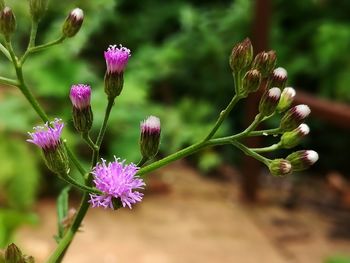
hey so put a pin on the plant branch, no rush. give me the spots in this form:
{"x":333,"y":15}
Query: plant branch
{"x":5,"y":52}
{"x":10,"y":82}
{"x":87,"y":139}
{"x":270,"y":148}
{"x":35,"y":49}
{"x":251,"y":153}
{"x":74,"y":159}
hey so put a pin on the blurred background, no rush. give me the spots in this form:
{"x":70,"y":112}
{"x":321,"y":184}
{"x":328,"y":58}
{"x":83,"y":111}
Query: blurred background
{"x":216,"y":205}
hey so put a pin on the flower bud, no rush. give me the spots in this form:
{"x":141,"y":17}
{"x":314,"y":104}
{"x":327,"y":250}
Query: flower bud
{"x":293,"y":138}
{"x":294,"y":117}
{"x":116,"y":61}
{"x":269,"y":101}
{"x":278,"y":78}
{"x":13,"y":254}
{"x":73,"y":23}
{"x":48,"y":138}
{"x":251,"y":82}
{"x":265,"y":62}
{"x":302,"y":160}
{"x":280,"y":167}
{"x":286,"y":100}
{"x":150,"y":137}
{"x":80,"y":95}
{"x":241,"y":56}
{"x":7,"y":22}
{"x":38,"y":8}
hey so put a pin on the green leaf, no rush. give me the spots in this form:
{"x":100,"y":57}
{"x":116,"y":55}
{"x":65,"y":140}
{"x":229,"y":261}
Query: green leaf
{"x":62,"y":210}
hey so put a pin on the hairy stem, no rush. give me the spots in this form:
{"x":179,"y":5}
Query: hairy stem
{"x":270,"y":148}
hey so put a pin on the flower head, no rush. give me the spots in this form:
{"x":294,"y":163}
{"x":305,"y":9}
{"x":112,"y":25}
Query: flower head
{"x":47,"y":137}
{"x":294,"y":117}
{"x":302,"y":160}
{"x":269,"y":101}
{"x":80,"y":95}
{"x":116,"y":58}
{"x":278,"y":78}
{"x":117,"y":181}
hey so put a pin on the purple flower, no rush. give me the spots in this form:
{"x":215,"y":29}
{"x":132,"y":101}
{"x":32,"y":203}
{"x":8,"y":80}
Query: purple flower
{"x":116,"y":180}
{"x":48,"y":136}
{"x":116,"y":58}
{"x":80,"y":95}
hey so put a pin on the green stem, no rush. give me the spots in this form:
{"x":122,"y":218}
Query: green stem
{"x":222,"y":117}
{"x":41,"y":47}
{"x":74,"y":160}
{"x":87,"y":139}
{"x":7,"y":81}
{"x":81,"y":187}
{"x":271,"y":148}
{"x":102,"y":132}
{"x":5,"y":52}
{"x":62,"y":246}
{"x":274,"y":131}
{"x":251,"y":153}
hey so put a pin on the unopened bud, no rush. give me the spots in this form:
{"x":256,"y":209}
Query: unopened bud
{"x":294,"y":117}
{"x":241,"y":56}
{"x":251,"y":82}
{"x":13,"y":254}
{"x":293,"y":138}
{"x":278,"y":78}
{"x":38,"y":8}
{"x":150,"y":137}
{"x":73,"y":23}
{"x":7,"y":22}
{"x":286,"y":100}
{"x":80,"y":95}
{"x":269,"y":101}
{"x":302,"y":160}
{"x":265,"y":62}
{"x":280,"y":167}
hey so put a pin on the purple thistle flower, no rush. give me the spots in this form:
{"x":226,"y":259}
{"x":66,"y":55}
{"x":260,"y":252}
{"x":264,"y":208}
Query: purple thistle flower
{"x":80,"y":95}
{"x":151,"y":125}
{"x":47,"y":137}
{"x":116,"y":58}
{"x":116,"y":180}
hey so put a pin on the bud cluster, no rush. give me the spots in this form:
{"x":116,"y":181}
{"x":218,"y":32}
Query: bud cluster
{"x":277,"y":98}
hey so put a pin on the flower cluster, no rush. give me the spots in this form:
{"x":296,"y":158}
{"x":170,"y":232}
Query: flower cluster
{"x":47,"y":137}
{"x":80,"y":95}
{"x":116,"y":58}
{"x":117,"y":181}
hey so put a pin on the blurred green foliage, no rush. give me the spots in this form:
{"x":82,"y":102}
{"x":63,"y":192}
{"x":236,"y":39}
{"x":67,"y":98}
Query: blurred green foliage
{"x":178,"y":71}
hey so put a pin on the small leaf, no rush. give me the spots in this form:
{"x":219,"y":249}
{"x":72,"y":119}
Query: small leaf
{"x":62,"y":211}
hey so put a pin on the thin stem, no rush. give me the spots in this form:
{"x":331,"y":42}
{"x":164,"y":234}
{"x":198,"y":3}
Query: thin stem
{"x":274,"y":131}
{"x":222,"y":117}
{"x":142,"y":161}
{"x":87,"y":139}
{"x":7,"y":81}
{"x":102,"y":132}
{"x":81,"y":187}
{"x":251,"y":153}
{"x":33,"y":32}
{"x":270,"y":148}
{"x":74,"y":160}
{"x":41,"y":47}
{"x":5,"y":52}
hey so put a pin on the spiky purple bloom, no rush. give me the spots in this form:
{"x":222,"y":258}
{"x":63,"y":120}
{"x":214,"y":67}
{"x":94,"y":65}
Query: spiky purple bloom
{"x":116,"y":58}
{"x":80,"y":95}
{"x":117,"y":181}
{"x":47,"y":137}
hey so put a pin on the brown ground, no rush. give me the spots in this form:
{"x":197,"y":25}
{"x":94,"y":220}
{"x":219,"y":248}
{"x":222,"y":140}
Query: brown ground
{"x":197,"y":220}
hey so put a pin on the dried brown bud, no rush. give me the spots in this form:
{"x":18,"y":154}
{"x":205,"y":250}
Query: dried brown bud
{"x":241,"y":56}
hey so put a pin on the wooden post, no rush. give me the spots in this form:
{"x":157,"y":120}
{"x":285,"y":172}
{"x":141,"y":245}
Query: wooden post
{"x":251,"y":168}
